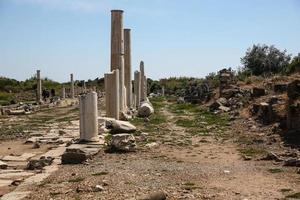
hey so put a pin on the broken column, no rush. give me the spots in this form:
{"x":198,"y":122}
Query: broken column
{"x":293,"y":106}
{"x":63,"y":92}
{"x":127,"y":67}
{"x":163,"y":91}
{"x":72,"y":86}
{"x":143,"y":87}
{"x":39,"y":86}
{"x":88,"y":111}
{"x":117,"y":52}
{"x":137,"y":88}
{"x":112,"y":102}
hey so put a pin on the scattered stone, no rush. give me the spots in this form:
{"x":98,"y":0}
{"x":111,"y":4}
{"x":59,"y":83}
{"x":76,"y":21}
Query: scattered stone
{"x":17,"y":182}
{"x":247,"y":158}
{"x":298,"y":171}
{"x":79,"y":153}
{"x":154,"y":196}
{"x":36,"y":145}
{"x":180,"y":100}
{"x":258,"y":92}
{"x":122,"y":142}
{"x":292,"y":162}
{"x":39,"y":164}
{"x":3,"y":165}
{"x":272,"y":156}
{"x":118,"y":126}
{"x":151,"y":145}
{"x":98,"y":188}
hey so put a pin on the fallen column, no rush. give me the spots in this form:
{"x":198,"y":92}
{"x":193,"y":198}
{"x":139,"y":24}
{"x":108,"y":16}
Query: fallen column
{"x":145,"y":109}
{"x":88,"y":111}
{"x":111,"y":82}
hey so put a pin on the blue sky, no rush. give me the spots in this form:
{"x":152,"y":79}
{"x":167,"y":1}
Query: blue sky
{"x":172,"y":37}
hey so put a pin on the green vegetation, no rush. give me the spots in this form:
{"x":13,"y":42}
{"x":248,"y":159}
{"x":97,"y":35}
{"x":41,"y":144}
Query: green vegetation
{"x":275,"y":170}
{"x":198,"y":121}
{"x":252,"y":150}
{"x":155,"y":120}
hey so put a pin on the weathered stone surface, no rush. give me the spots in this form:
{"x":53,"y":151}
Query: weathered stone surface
{"x":23,"y":157}
{"x":145,"y":110}
{"x":122,"y":142}
{"x":292,"y":162}
{"x":118,"y":126}
{"x":180,"y":100}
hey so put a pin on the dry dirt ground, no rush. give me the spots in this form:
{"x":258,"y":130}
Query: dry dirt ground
{"x":187,"y":153}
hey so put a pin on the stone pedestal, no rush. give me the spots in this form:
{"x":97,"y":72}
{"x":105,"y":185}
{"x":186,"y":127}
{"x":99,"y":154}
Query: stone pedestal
{"x":117,"y":52}
{"x":72,"y":86}
{"x":137,"y":88}
{"x":39,"y":86}
{"x":111,"y":81}
{"x":127,"y":58}
{"x":88,"y":110}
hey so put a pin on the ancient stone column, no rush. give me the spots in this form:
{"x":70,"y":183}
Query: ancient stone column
{"x":143,"y":86}
{"x":117,"y":52}
{"x":88,"y":111}
{"x":72,"y":86}
{"x":137,"y":88}
{"x":63,"y":92}
{"x":112,"y":103}
{"x":146,"y":87}
{"x":127,"y":58}
{"x":163,"y":91}
{"x":84,"y":86}
{"x":39,"y":86}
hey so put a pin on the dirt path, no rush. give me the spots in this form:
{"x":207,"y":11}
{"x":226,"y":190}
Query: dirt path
{"x":176,"y":160}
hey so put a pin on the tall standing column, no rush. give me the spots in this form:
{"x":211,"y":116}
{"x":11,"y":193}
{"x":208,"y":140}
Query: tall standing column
{"x":39,"y":86}
{"x":143,"y":87}
{"x":127,"y":50}
{"x":112,"y":103}
{"x":117,"y":52}
{"x":88,"y":111}
{"x":72,"y":86}
{"x":137,"y":88}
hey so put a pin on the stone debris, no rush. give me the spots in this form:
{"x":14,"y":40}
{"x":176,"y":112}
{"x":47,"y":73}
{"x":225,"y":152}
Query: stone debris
{"x":292,"y":162}
{"x":3,"y":165}
{"x":118,"y":126}
{"x":39,"y":163}
{"x":79,"y":153}
{"x":122,"y":142}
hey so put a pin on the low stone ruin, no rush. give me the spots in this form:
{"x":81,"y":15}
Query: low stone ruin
{"x":197,"y":93}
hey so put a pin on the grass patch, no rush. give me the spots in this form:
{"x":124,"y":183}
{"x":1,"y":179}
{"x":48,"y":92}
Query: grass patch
{"x":75,"y":180}
{"x":294,"y":196}
{"x":252,"y":151}
{"x":100,"y":174}
{"x":275,"y":170}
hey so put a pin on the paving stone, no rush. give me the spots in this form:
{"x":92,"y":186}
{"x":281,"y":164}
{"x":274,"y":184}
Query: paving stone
{"x":23,"y":157}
